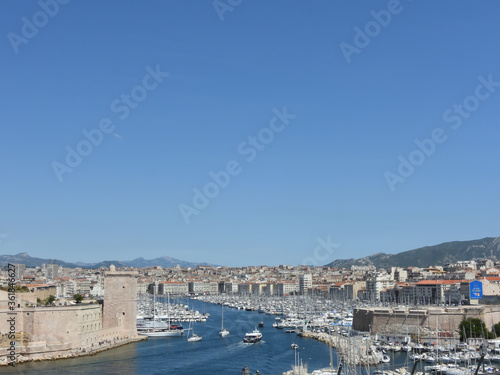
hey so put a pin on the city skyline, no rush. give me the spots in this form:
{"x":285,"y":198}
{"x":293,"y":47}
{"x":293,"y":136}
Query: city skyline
{"x":239,"y":133}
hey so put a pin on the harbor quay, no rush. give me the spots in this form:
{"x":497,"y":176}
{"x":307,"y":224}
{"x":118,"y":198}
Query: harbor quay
{"x":354,"y":350}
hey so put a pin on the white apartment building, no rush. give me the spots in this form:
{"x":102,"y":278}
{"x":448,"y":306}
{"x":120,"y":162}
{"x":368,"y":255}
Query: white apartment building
{"x":376,"y":283}
{"x":305,"y":283}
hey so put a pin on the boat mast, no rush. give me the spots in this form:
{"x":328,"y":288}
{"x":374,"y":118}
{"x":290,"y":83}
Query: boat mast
{"x":331,"y":352}
{"x":168,"y":309}
{"x":437,"y":339}
{"x":154,"y":305}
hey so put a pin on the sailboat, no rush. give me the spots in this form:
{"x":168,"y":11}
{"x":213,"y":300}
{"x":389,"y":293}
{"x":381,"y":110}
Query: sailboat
{"x":194,"y":337}
{"x":223,"y":332}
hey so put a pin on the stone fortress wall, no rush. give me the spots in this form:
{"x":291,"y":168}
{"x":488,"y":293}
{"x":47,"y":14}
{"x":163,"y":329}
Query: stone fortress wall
{"x":72,"y":330}
{"x":422,"y":321}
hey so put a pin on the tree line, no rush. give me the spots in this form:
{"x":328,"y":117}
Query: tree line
{"x":476,"y":328}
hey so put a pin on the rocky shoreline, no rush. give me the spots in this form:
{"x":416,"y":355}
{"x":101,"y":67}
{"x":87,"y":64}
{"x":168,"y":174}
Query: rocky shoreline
{"x":323,"y":337}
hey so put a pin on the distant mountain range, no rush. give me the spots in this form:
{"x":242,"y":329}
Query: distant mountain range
{"x":30,"y":261}
{"x":437,"y":255}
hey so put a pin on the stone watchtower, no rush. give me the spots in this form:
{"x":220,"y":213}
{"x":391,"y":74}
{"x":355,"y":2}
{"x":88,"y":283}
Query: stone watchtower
{"x":120,"y":301}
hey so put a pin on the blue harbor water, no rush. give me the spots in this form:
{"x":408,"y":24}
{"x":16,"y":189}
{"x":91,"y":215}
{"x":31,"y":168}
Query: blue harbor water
{"x":212,"y":355}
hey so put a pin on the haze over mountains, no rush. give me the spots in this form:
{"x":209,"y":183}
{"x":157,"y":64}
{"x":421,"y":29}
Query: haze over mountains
{"x":437,"y":255}
{"x":30,"y":261}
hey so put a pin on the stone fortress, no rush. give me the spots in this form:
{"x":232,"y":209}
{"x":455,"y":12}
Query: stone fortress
{"x":423,"y":321}
{"x":71,"y":330}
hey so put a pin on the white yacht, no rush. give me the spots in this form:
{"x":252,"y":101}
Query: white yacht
{"x":156,"y":327}
{"x":253,"y":337}
{"x":161,"y":332}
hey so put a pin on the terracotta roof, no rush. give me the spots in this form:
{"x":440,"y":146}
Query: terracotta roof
{"x":438,"y":282}
{"x":36,"y":285}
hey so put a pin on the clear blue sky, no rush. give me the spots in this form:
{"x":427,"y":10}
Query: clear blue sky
{"x":324,"y":174}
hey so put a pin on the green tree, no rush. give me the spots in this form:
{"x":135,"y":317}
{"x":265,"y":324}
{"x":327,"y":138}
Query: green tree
{"x":78,"y":298}
{"x":49,"y":300}
{"x":473,"y":328}
{"x":496,"y":329}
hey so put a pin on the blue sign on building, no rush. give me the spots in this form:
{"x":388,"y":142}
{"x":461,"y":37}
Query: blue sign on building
{"x":476,"y":289}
